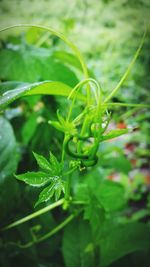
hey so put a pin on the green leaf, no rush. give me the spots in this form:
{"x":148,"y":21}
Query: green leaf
{"x":9,"y":155}
{"x":47,"y":87}
{"x":56,"y":125}
{"x":55,"y":188}
{"x":111,"y":195}
{"x":64,"y":125}
{"x":95,"y":214}
{"x":77,"y":245}
{"x":35,"y":178}
{"x":55,"y":165}
{"x":123,"y":240}
{"x":68,"y":58}
{"x":81,"y":192}
{"x":42,"y":162}
{"x":46,"y":194}
{"x":59,"y":187}
{"x":29,"y":63}
{"x":119,"y":163}
{"x":114,"y":134}
{"x":29,"y":128}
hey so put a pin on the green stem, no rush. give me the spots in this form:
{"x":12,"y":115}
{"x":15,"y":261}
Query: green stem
{"x":128,"y":105}
{"x":68,"y":188}
{"x":49,"y":234}
{"x":70,"y":171}
{"x":34,"y":214}
{"x":63,"y":148}
{"x":127,"y":71}
{"x":58,"y":228}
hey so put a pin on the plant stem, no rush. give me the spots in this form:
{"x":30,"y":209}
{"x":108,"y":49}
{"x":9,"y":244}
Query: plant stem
{"x":58,"y":34}
{"x":127,"y":71}
{"x":56,"y":229}
{"x":127,"y":105}
{"x":68,"y":187}
{"x":49,"y":234}
{"x":34,"y":214}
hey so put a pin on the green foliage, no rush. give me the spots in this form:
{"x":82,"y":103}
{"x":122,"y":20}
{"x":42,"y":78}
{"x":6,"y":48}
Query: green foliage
{"x":47,"y":87}
{"x":114,"y":134}
{"x":30,"y":64}
{"x":55,"y":188}
{"x":123,"y":240}
{"x":96,"y":224}
{"x":43,"y":162}
{"x":111,"y":195}
{"x":9,"y":157}
{"x":35,"y":178}
{"x":77,"y":246}
{"x":51,"y":174}
{"x":8,"y":149}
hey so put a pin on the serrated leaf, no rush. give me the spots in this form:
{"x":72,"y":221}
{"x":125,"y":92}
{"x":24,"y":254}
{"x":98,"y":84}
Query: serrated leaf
{"x":59,"y":187}
{"x":114,"y":134}
{"x":55,"y":188}
{"x":36,"y":179}
{"x":122,"y":240}
{"x":46,"y":194}
{"x":42,"y":162}
{"x":55,"y":165}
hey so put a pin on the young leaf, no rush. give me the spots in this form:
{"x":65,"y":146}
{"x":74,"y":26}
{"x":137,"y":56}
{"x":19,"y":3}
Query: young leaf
{"x":56,"y":125}
{"x":55,"y":165}
{"x":65,"y":127}
{"x":35,"y":178}
{"x":46,"y":194}
{"x":42,"y":162}
{"x":59,"y":187}
{"x":114,"y":133}
{"x":55,"y":188}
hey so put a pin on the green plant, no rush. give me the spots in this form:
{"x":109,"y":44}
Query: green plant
{"x":90,"y":202}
